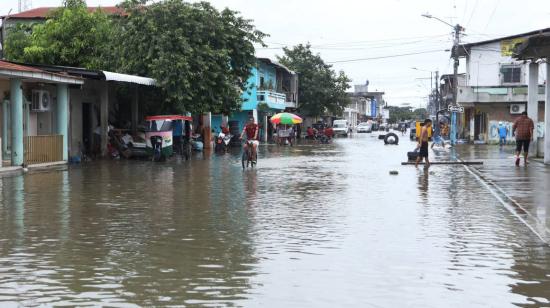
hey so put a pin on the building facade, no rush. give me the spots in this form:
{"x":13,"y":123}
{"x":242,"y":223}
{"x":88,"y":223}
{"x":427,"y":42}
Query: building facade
{"x":494,"y":88}
{"x":365,"y":105}
{"x":272,"y":88}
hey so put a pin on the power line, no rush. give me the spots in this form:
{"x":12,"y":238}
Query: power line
{"x":385,"y":46}
{"x":367,"y":42}
{"x":386,"y":57}
{"x":492,"y":14}
{"x":473,"y":12}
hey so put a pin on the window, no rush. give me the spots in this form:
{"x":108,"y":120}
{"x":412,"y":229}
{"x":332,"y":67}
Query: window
{"x":511,"y":73}
{"x":261,"y":82}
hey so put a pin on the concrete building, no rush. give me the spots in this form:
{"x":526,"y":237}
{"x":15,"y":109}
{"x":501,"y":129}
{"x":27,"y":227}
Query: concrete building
{"x":94,"y":105}
{"x":495,"y":88}
{"x":365,"y":105}
{"x":272,"y":88}
{"x":534,"y":49}
{"x":35,"y":114}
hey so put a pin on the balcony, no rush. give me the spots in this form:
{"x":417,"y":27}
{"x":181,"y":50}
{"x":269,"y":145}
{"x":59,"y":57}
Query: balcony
{"x":275,"y":100}
{"x":470,"y":95}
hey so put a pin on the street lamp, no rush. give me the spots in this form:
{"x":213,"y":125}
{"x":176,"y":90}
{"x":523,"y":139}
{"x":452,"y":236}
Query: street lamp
{"x":456,"y":42}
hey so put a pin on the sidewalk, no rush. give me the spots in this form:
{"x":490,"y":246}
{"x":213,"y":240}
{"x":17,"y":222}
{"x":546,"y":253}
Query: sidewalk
{"x":527,"y":187}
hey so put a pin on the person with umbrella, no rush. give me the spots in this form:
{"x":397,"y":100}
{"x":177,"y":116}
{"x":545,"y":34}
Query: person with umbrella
{"x":285,"y":118}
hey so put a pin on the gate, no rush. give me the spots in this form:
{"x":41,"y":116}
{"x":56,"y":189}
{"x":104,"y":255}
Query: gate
{"x":43,"y":149}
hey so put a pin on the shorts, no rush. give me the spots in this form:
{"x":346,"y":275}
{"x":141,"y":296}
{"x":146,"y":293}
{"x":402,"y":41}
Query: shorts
{"x":524,"y":143}
{"x":423,"y":152}
{"x":255,"y":142}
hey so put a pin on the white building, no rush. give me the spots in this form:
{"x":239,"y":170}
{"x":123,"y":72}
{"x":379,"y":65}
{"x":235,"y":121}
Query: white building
{"x":365,"y":105}
{"x":495,"y":87}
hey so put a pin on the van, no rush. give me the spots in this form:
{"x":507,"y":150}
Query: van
{"x":340,"y":128}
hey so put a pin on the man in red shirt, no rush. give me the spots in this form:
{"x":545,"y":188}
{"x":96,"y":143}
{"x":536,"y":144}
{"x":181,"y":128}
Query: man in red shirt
{"x":251,"y":131}
{"x":523,"y":130}
{"x":329,"y":132}
{"x":310,"y":133}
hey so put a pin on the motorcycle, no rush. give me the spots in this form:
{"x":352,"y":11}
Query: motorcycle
{"x":196,"y":143}
{"x":222,"y":142}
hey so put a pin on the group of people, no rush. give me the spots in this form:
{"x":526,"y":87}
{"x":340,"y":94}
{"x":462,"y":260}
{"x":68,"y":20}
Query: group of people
{"x":522,"y":129}
{"x":313,"y":133}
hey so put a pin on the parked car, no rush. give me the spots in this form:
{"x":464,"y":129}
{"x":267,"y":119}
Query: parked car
{"x":364,"y":128}
{"x":340,"y":128}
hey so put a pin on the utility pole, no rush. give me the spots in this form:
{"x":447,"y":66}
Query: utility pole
{"x":456,"y":44}
{"x":436,"y":91}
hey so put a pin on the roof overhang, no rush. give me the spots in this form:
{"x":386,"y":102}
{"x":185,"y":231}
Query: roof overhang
{"x":95,"y":74}
{"x":534,"y":48}
{"x":40,"y":76}
{"x":277,"y":64}
{"x":110,"y":76}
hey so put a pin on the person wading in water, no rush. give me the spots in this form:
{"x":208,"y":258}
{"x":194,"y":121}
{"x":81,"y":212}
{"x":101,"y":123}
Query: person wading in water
{"x":423,"y":143}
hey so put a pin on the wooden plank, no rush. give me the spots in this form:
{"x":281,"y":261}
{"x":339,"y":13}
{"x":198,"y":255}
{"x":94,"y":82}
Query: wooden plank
{"x":445,"y":163}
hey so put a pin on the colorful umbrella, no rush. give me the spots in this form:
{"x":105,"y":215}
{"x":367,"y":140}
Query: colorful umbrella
{"x":286,"y":118}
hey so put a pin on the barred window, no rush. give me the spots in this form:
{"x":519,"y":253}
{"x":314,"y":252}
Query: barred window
{"x":511,"y":74}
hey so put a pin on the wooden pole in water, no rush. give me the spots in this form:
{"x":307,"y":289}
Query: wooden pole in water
{"x":407,"y":163}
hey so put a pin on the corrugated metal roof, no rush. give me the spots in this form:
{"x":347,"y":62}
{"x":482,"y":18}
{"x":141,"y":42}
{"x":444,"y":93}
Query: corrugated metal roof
{"x":42,"y":12}
{"x":110,"y":76}
{"x":275,"y":63}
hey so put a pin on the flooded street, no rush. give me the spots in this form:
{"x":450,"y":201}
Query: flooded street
{"x":312,"y":226}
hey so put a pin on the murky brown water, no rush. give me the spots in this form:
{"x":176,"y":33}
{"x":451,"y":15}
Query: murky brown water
{"x":313,"y":226}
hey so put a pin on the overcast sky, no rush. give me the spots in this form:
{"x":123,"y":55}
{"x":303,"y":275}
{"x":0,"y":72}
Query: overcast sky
{"x":358,"y":29}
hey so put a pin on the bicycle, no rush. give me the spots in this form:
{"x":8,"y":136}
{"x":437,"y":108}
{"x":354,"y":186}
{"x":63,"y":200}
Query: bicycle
{"x":249,"y":156}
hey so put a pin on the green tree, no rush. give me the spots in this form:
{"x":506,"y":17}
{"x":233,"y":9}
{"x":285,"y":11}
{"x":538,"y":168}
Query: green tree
{"x":420,"y":114}
{"x":71,"y":36}
{"x":321,"y":89}
{"x":18,"y":38}
{"x":200,"y":57}
{"x":398,"y":114}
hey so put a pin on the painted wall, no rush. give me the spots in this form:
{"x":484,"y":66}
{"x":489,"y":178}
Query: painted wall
{"x":483,"y":66}
{"x":241,"y":117}
{"x":269,"y":74}
{"x":250,"y":96}
{"x":216,"y":122}
{"x":493,"y":136}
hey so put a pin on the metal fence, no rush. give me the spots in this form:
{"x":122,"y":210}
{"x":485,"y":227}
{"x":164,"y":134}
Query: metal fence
{"x":43,"y":149}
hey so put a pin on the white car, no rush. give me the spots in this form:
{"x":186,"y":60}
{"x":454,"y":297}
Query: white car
{"x":364,"y":128}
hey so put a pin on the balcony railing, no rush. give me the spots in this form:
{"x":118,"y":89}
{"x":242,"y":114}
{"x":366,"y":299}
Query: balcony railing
{"x":266,"y":96}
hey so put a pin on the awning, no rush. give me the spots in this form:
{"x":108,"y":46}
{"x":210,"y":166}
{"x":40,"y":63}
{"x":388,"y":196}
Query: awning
{"x":110,"y":76}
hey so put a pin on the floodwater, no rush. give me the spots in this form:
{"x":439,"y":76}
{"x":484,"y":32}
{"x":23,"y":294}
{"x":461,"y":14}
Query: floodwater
{"x":312,"y":226}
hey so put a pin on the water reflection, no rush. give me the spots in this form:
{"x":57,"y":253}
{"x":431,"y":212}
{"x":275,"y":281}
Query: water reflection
{"x":311,"y":226}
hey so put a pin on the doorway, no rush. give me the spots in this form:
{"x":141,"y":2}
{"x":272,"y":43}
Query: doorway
{"x":87,"y":128}
{"x":480,"y":126}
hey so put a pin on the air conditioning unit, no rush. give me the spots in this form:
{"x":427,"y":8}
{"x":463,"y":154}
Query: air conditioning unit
{"x":517,"y":108}
{"x":41,"y":101}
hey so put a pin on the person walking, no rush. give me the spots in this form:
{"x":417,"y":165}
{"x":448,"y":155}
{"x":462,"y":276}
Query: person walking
{"x":423,"y":143}
{"x":523,"y":130}
{"x":502,"y":133}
